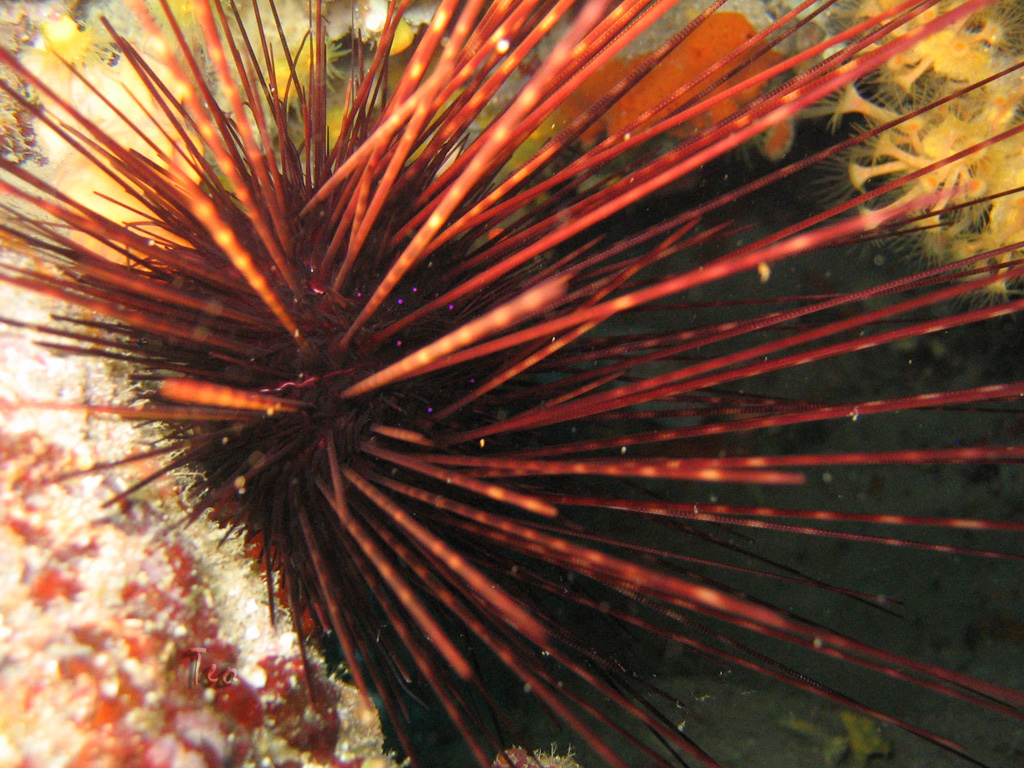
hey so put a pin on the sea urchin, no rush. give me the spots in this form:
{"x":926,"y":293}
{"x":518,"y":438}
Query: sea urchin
{"x":426,"y":362}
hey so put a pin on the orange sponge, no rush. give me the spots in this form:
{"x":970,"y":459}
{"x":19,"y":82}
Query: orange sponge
{"x":718,"y":36}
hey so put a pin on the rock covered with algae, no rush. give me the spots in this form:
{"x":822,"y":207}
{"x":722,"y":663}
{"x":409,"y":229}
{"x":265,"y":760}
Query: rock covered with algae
{"x":103,"y":607}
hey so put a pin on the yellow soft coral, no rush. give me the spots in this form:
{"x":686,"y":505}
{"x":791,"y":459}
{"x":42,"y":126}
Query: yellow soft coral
{"x":83,"y":82}
{"x":945,"y":144}
{"x":966,"y":51}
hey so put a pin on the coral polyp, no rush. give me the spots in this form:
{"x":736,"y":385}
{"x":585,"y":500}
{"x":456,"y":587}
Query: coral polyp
{"x":459,"y":384}
{"x":976,"y":196}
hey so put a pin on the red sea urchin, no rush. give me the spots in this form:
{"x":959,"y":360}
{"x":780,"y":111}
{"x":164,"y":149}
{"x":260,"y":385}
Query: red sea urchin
{"x":444,"y":392}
